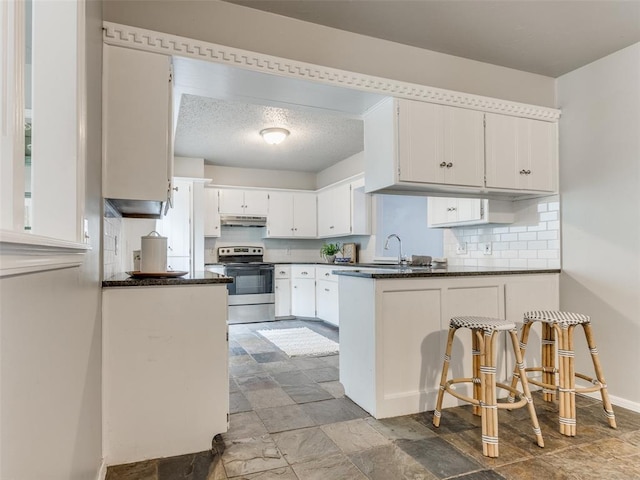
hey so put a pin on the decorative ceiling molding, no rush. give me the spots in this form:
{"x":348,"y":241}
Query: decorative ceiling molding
{"x":148,"y":40}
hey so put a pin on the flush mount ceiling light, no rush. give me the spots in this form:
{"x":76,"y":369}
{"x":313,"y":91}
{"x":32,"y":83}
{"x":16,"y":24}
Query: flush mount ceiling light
{"x":274,"y":136}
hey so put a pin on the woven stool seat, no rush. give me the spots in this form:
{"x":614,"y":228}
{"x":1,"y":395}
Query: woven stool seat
{"x":482,"y":323}
{"x":557,"y":339}
{"x":561,"y":318}
{"x":485,"y":332}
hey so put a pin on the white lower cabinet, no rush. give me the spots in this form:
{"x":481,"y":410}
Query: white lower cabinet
{"x":155,"y":362}
{"x":327,"y":295}
{"x":303,"y":291}
{"x":282,"y":276}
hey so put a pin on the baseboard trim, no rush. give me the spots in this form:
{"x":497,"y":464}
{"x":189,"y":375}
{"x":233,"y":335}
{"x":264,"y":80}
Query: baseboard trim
{"x":102,"y":473}
{"x":616,"y":401}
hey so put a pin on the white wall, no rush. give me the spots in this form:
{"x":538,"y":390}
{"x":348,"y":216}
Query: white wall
{"x":250,"y":29}
{"x":600,"y":189}
{"x":346,"y":168}
{"x":253,"y":177}
{"x":50,"y":347}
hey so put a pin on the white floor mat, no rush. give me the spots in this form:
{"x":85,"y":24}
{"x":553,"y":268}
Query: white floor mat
{"x":300,"y":341}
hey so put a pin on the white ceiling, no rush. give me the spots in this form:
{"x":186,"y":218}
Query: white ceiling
{"x":547,"y":37}
{"x":223,"y":108}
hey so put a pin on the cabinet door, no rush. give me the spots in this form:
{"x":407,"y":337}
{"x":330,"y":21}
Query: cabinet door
{"x":255,"y":202}
{"x":231,"y":202}
{"x":341,"y":196}
{"x":438,"y":210}
{"x":303,"y":297}
{"x":326,"y":226}
{"x":304,"y":215}
{"x":280,"y":215}
{"x":211,"y":215}
{"x":327,"y":301}
{"x":521,"y":153}
{"x":136,"y":124}
{"x":176,"y":224}
{"x":468,"y":209}
{"x":440,"y":144}
{"x":283,"y":297}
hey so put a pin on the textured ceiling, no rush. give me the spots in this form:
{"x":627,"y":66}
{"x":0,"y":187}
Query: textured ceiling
{"x":227,"y":133}
{"x":547,"y":37}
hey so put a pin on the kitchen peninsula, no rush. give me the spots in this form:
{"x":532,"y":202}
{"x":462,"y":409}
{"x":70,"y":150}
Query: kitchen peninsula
{"x":165,"y":375}
{"x":395,"y":323}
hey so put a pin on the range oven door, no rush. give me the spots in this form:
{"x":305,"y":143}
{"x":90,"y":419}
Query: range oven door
{"x":251,"y":295}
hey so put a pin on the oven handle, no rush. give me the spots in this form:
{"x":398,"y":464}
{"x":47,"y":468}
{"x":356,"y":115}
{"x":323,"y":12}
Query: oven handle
{"x":250,"y":267}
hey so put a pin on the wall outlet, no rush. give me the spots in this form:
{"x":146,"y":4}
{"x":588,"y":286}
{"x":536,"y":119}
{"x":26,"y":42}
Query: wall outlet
{"x":486,"y":248}
{"x":461,"y":249}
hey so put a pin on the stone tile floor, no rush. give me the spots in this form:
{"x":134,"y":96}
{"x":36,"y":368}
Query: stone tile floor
{"x":290,"y":420}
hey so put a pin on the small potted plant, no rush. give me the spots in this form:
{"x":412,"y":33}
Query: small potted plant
{"x":329,"y":251}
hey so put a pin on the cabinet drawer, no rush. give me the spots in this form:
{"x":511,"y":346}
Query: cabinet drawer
{"x":325,"y":273}
{"x":303,"y":271}
{"x":282,"y":271}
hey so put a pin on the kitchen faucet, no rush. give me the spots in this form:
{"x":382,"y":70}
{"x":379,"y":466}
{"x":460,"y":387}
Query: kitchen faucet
{"x":401,"y":260}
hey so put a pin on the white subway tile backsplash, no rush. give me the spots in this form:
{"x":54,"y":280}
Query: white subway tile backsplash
{"x":548,"y":235}
{"x":527,"y":236}
{"x":509,"y":237}
{"x":548,"y":216}
{"x":531,"y":241}
{"x":537,"y":263}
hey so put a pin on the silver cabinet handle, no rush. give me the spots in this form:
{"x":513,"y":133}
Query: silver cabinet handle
{"x":304,"y":273}
{"x":443,"y":164}
{"x":451,"y":209}
{"x":449,"y":165}
{"x":331,"y":226}
{"x":525,"y":172}
{"x":282,"y":272}
{"x":327,"y":274}
{"x":528,"y":172}
{"x":327,"y":290}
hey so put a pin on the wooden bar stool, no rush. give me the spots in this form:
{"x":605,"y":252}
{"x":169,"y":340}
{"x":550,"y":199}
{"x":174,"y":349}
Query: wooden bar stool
{"x":557,"y":334}
{"x":484,"y":335}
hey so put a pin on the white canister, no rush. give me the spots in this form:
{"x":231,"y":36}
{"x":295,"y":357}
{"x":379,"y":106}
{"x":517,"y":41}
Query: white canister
{"x":153,"y":253}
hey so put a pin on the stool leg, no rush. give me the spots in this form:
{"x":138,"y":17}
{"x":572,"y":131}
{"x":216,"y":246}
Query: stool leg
{"x":608,"y":409}
{"x":548,"y":361}
{"x":525,"y":388}
{"x":443,"y":377}
{"x":489,"y":406}
{"x":477,"y":385}
{"x":524,"y":338}
{"x":566,"y":388}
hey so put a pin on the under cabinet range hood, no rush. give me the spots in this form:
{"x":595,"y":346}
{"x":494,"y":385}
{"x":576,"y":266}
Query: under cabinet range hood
{"x":242,"y":221}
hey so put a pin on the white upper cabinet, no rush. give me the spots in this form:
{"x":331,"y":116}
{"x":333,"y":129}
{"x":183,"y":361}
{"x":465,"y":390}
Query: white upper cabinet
{"x":211,"y":214}
{"x":344,"y":209}
{"x":243,"y":202}
{"x":521,"y":153}
{"x":450,"y":212}
{"x":419,"y":146}
{"x":137,"y":140}
{"x":291,"y":214}
{"x":440,"y":144}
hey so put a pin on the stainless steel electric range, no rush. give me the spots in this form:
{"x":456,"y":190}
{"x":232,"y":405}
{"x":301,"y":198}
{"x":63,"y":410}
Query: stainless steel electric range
{"x":251,"y":295}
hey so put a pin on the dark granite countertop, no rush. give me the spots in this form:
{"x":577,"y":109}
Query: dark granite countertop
{"x":410,"y":272}
{"x":195,"y":278}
